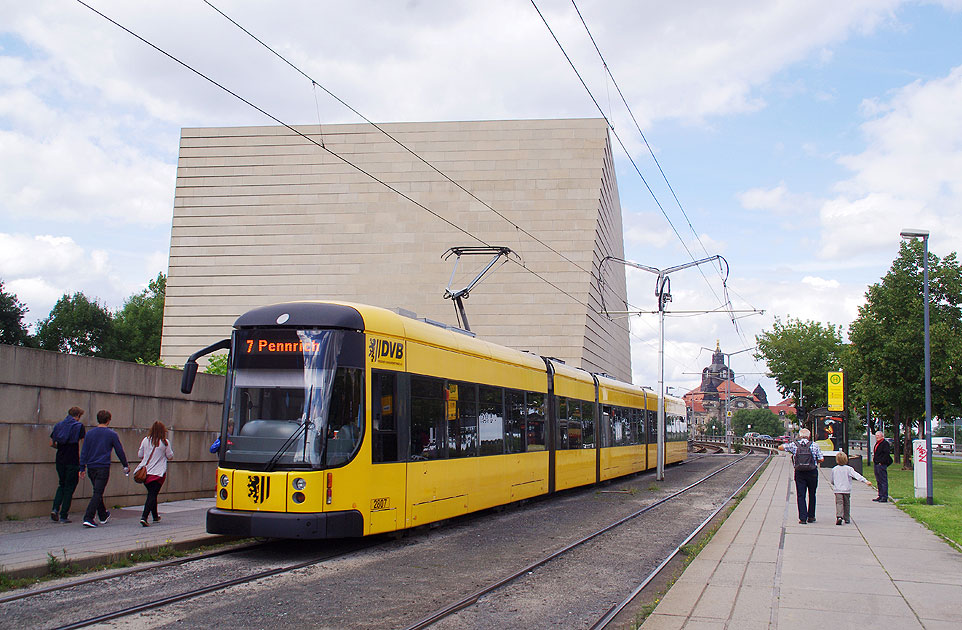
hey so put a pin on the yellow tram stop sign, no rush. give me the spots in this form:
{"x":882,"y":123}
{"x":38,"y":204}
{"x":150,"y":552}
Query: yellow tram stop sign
{"x":836,"y":391}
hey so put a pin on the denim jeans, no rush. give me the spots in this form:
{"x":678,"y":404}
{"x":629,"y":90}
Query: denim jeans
{"x":806,"y":481}
{"x":68,"y":475}
{"x":98,"y":479}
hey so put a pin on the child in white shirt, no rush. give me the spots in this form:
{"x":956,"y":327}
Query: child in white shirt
{"x":842,"y":475}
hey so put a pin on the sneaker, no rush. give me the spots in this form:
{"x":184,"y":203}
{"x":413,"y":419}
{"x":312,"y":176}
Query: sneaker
{"x":89,"y":524}
{"x":54,"y":516}
{"x":157,"y":518}
{"x":802,"y":522}
{"x":838,"y":521}
{"x":104,"y":520}
{"x":847,"y":521}
{"x":878,"y":499}
{"x":811,"y":519}
{"x":64,"y":519}
{"x":144,"y":523}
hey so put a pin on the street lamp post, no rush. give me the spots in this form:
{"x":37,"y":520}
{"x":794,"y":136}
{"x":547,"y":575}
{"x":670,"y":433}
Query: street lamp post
{"x":924,"y":235}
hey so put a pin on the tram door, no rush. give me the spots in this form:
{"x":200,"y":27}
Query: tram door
{"x":388,"y":471}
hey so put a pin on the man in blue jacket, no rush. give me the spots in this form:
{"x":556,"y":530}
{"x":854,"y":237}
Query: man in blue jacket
{"x":65,"y":437}
{"x":95,"y":458}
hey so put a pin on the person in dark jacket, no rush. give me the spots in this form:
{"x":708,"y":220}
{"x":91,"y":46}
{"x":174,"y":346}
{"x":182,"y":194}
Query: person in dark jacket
{"x":95,"y":458}
{"x":65,"y":437}
{"x":883,"y":459}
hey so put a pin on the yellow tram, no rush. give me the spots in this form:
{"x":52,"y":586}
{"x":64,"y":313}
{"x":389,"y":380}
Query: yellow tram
{"x":346,"y":420}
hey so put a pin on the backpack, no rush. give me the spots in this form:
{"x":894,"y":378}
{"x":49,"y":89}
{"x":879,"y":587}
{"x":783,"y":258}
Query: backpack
{"x":63,"y":432}
{"x":804,"y":460}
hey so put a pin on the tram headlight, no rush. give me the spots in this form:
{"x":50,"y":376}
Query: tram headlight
{"x":224,"y":480}
{"x":299,"y":483}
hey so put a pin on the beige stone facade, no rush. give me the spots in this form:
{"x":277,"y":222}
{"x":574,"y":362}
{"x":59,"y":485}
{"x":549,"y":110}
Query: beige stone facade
{"x":263,"y":215}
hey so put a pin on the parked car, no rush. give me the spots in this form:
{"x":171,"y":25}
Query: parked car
{"x":783,"y":439}
{"x":751,"y":434}
{"x":765,"y":437}
{"x":943,"y":444}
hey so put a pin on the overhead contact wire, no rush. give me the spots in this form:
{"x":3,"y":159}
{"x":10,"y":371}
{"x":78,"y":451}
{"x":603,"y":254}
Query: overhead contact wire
{"x":324,"y":148}
{"x":396,"y":140}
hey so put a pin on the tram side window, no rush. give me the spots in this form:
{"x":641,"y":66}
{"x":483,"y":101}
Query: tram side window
{"x":608,"y":427}
{"x":575,"y":427}
{"x":587,"y":424}
{"x":514,"y":426}
{"x":428,"y":408}
{"x":491,"y":420}
{"x":534,"y":415}
{"x":652,"y":426}
{"x":637,"y":426}
{"x":384,"y":418}
{"x":563,"y":404}
{"x":345,"y":420}
{"x":462,"y":419}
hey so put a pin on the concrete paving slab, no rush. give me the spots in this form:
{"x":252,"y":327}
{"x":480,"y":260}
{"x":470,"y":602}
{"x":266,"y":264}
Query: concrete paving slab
{"x":25,"y":545}
{"x":941,"y":602}
{"x":820,"y":599}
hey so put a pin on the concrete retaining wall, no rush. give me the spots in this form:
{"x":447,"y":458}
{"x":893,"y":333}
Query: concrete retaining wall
{"x":38,"y":387}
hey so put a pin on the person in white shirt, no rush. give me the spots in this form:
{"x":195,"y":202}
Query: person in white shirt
{"x":154,"y":454}
{"x":842,"y":475}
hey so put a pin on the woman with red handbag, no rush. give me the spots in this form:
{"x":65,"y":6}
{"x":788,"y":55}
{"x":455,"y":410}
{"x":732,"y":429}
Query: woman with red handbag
{"x":154,"y":454}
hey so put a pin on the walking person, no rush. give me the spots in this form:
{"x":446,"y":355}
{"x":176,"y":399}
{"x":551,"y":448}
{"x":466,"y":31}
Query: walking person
{"x":95,"y":458}
{"x":805,"y":455}
{"x":883,"y":459}
{"x":65,"y":437}
{"x":842,"y":475}
{"x":154,"y":454}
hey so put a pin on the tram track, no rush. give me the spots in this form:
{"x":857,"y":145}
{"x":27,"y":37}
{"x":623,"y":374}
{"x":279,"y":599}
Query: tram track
{"x":472,"y":599}
{"x":172,"y":607}
{"x":122,"y":581}
{"x":612,"y":613}
{"x":119,"y":573}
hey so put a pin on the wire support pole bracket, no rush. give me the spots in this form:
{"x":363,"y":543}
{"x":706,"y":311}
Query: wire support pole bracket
{"x":663,"y":294}
{"x":458,"y":296}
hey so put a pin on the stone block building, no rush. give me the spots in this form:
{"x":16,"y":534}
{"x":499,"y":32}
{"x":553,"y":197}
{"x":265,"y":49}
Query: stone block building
{"x":349,"y":212}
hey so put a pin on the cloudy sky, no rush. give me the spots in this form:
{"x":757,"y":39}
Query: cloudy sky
{"x":798,"y":136}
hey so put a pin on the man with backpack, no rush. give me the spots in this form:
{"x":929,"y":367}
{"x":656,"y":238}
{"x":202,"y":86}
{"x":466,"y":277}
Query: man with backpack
{"x":65,"y":437}
{"x":805,"y":455}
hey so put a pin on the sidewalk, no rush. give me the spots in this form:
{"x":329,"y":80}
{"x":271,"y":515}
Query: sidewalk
{"x":24,"y":545}
{"x":763,"y":569}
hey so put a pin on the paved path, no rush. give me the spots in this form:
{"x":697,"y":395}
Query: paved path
{"x":24,"y":545}
{"x":763,"y":569}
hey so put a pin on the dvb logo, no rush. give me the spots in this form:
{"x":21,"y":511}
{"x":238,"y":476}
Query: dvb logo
{"x":384,"y":351}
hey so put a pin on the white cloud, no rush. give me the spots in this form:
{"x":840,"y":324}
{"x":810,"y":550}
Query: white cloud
{"x":781,"y":201}
{"x":908,"y":175}
{"x":41,"y":269}
{"x":820,"y":284}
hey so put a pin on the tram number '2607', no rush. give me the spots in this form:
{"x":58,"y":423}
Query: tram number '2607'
{"x":382,"y":503}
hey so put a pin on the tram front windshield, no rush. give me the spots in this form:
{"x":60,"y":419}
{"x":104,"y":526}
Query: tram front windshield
{"x":292,"y":403}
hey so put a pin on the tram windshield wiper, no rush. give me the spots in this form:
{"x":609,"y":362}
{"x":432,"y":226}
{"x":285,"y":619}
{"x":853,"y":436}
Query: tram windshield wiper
{"x":290,"y":440}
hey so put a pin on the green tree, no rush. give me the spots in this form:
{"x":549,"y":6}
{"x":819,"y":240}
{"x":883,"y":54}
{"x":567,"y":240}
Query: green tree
{"x":76,"y":325}
{"x":217,"y":364}
{"x":888,"y":340}
{"x":137,"y":325}
{"x":761,"y":420}
{"x":12,"y":330}
{"x":804,"y":351}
